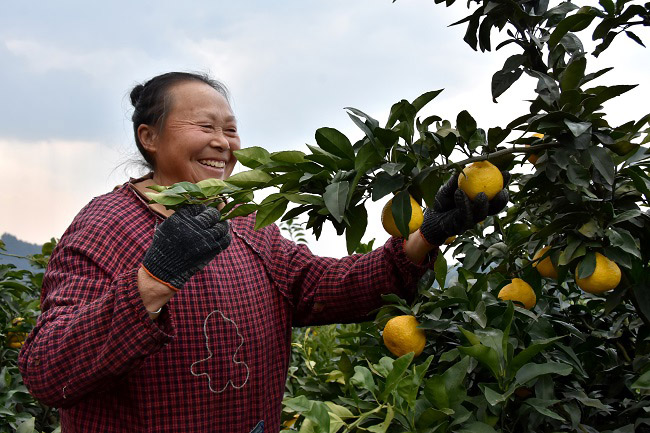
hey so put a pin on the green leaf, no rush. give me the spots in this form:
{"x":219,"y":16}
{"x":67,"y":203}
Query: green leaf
{"x":531,"y":371}
{"x":603,"y":163}
{"x":381,"y":428}
{"x":571,"y":23}
{"x":424,"y":99}
{"x":626,"y":216}
{"x":573,"y":74}
{"x":477,"y":427}
{"x":27,"y":426}
{"x":471,"y":337}
{"x":358,"y":219}
{"x":447,"y":390}
{"x":547,"y":88}
{"x":384,"y":184}
{"x":642,"y":382}
{"x":401,"y":208}
{"x":334,"y":142}
{"x":495,"y":398}
{"x":507,"y":323}
{"x":336,"y":196}
{"x":421,"y":369}
{"x":319,"y":416}
{"x":440,"y":269}
{"x":541,"y":406}
{"x":252,"y":157}
{"x":466,"y":125}
{"x":400,"y":365}
{"x":212,"y":187}
{"x":528,"y":353}
{"x":486,"y":355}
{"x":587,"y":265}
{"x":367,"y":158}
{"x":496,"y":136}
{"x":608,"y":5}
{"x":363,"y":378}
{"x":340,"y":411}
{"x":289,"y":156}
{"x":477,"y":139}
{"x":165,"y":198}
{"x":502,"y":80}
{"x":157,"y":188}
{"x":403,"y":111}
{"x":577,"y":128}
{"x":624,"y":240}
{"x":478,"y":315}
{"x":589,"y":229}
{"x":326,"y":159}
{"x":587,"y":401}
{"x":250,"y":179}
{"x":298,"y":404}
{"x":270,"y":212}
{"x":604,"y":93}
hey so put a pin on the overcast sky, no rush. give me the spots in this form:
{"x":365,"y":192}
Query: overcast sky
{"x":67,"y":68}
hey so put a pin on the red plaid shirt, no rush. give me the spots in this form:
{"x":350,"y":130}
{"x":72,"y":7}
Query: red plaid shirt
{"x":216,"y":359}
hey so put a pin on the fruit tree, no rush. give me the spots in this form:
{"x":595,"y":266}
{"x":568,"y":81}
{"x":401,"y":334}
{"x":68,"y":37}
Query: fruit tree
{"x":543,"y":323}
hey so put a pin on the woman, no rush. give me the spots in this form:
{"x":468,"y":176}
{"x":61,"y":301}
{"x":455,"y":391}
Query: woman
{"x":154,"y":321}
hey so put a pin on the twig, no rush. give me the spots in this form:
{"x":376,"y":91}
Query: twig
{"x":520,"y":149}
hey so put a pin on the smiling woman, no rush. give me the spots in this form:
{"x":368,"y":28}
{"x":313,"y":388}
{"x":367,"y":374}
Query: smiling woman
{"x":184,"y":128}
{"x":129,"y":339}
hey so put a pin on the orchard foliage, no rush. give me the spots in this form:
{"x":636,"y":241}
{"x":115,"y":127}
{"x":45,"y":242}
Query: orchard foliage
{"x":576,"y":362}
{"x":20,"y":291}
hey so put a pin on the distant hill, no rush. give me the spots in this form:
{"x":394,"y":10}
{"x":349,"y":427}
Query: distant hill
{"x":20,"y":248}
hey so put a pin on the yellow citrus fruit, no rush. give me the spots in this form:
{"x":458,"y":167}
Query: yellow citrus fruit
{"x":388,"y":221}
{"x":520,"y":291}
{"x":544,"y":267}
{"x":606,"y":276}
{"x":533,"y":157}
{"x":402,"y":336}
{"x":481,"y":176}
{"x":16,"y":340}
{"x":450,"y":239}
{"x":290,"y":422}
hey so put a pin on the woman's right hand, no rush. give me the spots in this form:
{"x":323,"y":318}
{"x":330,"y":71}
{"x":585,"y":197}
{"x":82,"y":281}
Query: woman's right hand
{"x":184,"y":243}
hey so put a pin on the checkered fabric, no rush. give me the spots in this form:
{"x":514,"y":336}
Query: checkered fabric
{"x":216,"y":359}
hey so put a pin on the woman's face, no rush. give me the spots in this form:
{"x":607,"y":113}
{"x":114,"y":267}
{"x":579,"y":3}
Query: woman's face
{"x":198,"y":136}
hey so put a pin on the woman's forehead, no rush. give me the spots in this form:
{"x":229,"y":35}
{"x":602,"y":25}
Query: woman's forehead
{"x":199,"y":98}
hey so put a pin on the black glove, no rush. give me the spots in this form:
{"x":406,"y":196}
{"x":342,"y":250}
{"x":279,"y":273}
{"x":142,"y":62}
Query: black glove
{"x":453,"y":212}
{"x":185,"y":242}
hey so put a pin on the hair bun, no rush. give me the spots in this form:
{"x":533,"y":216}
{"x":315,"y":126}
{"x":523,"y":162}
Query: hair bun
{"x":136,"y":93}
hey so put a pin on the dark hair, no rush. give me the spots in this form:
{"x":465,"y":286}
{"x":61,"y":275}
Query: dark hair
{"x":151,"y":101}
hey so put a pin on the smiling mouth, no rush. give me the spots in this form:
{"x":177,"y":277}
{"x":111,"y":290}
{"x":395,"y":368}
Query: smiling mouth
{"x":213,"y":163}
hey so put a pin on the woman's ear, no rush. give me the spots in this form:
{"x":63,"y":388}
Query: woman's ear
{"x":147,"y":137}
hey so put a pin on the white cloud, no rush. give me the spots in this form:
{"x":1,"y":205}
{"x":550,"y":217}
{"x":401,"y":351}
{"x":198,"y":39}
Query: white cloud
{"x":46,"y":183}
{"x":292,"y":67}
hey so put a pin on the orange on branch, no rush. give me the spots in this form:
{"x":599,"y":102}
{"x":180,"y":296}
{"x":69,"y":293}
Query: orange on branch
{"x":519,"y":291}
{"x":481,"y":176}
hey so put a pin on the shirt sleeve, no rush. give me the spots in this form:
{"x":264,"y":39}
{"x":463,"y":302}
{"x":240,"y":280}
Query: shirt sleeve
{"x":94,"y":327}
{"x":328,"y":290}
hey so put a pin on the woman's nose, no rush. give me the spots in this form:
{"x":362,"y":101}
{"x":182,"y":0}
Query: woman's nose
{"x":220,"y":141}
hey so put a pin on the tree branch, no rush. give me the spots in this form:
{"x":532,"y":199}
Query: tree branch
{"x":520,"y":149}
